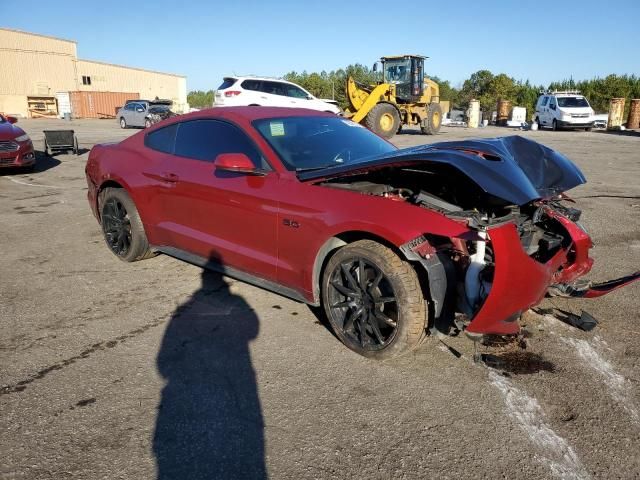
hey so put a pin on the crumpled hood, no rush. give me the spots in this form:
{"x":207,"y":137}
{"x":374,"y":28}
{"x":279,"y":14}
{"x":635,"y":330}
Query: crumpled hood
{"x":513,"y":168}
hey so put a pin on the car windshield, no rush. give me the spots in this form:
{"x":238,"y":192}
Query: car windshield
{"x":397,"y":71}
{"x":158,"y":109}
{"x":310,"y":143}
{"x":2,"y":119}
{"x":569,"y":102}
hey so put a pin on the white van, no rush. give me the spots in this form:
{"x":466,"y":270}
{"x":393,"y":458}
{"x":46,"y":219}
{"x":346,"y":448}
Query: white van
{"x":564,"y":110}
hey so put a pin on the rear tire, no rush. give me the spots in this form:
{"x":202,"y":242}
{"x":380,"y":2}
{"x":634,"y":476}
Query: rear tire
{"x":539,"y":124}
{"x":383,"y":120}
{"x":385,"y":316}
{"x":123,"y":123}
{"x":121,"y":226}
{"x":431,"y":124}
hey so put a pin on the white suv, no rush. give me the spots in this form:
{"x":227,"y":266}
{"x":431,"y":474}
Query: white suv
{"x":268,"y":92}
{"x":564,"y":110}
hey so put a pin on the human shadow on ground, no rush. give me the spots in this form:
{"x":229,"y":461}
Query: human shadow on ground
{"x":209,"y":423}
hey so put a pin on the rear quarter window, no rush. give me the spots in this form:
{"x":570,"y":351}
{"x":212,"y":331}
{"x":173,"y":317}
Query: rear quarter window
{"x":228,"y":82}
{"x":163,"y":139}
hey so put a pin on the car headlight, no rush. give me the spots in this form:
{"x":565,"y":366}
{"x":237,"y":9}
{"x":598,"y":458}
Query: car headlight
{"x":22,"y":138}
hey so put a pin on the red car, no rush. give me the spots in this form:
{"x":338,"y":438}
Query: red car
{"x":16,"y":149}
{"x":319,"y":209}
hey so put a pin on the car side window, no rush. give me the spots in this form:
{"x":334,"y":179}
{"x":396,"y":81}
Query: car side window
{"x":552,"y":102}
{"x":129,"y":106}
{"x":251,"y":85}
{"x":206,"y":139}
{"x":274,"y":88}
{"x":163,"y":139}
{"x":293,"y":91}
{"x":544,"y":102}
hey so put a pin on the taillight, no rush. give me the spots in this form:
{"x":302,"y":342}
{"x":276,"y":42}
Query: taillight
{"x":232,"y":93}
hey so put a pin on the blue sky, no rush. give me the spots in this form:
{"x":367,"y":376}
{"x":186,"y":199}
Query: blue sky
{"x":205,"y":40}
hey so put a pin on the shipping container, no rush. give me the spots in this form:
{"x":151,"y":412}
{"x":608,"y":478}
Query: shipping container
{"x":99,"y":104}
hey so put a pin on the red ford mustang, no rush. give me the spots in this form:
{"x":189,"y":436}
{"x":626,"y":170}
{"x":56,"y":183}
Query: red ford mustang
{"x":312,"y":206}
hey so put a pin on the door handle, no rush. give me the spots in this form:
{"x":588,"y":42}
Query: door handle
{"x":169,"y":177}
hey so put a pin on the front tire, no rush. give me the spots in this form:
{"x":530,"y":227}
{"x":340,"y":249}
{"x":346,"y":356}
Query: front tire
{"x":373,"y":300}
{"x":123,"y":123}
{"x":431,"y":124}
{"x":554,"y":126}
{"x":383,"y":120}
{"x":121,"y":226}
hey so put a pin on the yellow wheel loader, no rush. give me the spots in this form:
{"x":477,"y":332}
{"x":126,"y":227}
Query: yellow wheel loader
{"x":404,"y":97}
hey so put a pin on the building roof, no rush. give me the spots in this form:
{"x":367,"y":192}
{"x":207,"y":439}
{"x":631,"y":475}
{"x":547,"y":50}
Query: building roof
{"x":37,"y":35}
{"x":130,"y":68}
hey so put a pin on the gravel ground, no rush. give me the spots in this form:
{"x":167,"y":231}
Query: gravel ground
{"x":159,"y":370}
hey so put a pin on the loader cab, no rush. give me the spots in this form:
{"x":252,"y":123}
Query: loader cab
{"x":406,"y":72}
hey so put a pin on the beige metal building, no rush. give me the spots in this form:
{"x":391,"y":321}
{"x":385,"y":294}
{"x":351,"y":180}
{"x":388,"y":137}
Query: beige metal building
{"x":38,"y":74}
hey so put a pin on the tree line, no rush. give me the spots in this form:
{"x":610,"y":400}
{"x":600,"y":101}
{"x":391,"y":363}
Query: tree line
{"x":482,"y":85}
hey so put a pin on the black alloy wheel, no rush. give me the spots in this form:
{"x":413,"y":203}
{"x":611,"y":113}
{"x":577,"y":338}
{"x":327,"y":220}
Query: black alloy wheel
{"x":363,"y":301}
{"x":116,"y":226}
{"x":373,"y":300}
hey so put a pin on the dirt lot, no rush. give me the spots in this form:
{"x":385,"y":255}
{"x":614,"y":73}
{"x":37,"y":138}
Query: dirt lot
{"x":156,"y":369}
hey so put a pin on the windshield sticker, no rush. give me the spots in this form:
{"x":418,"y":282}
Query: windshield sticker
{"x":277,"y":129}
{"x":349,"y":123}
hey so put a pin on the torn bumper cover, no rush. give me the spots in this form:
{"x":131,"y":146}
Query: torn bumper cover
{"x":587,"y":289}
{"x":519,"y":282}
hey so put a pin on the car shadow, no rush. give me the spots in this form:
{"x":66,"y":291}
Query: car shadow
{"x":44,"y":162}
{"x":209,"y":422}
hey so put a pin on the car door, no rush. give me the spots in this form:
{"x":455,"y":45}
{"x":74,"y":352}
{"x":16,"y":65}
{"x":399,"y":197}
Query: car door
{"x":544,"y":111}
{"x":552,"y":110}
{"x":274,"y":94}
{"x":139,"y":114}
{"x":297,"y":97}
{"x":253,"y":89}
{"x":228,"y":218}
{"x":126,"y":113}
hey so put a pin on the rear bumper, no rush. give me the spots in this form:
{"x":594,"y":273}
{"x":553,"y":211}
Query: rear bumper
{"x":23,"y":157}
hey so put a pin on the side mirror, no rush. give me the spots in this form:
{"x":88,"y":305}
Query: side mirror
{"x":375,"y":67}
{"x":309,"y":97}
{"x":552,"y":107}
{"x":11,"y":119}
{"x":140,"y":109}
{"x":238,"y":163}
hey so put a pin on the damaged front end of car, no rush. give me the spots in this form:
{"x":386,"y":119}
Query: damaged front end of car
{"x":523,"y":239}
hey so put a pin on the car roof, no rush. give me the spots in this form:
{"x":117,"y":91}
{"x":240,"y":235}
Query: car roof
{"x":254,"y":113}
{"x":265,"y":79}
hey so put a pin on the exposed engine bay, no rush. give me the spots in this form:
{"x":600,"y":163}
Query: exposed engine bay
{"x":469,"y":263}
{"x":522,"y":240}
